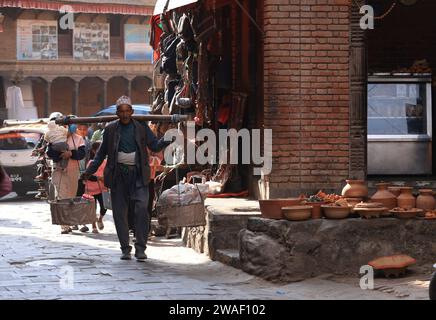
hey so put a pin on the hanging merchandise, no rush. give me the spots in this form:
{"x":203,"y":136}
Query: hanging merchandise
{"x":184,"y":28}
{"x":155,"y":34}
{"x":171,"y":90}
{"x":158,"y":77}
{"x":169,"y":64}
{"x":158,"y":104}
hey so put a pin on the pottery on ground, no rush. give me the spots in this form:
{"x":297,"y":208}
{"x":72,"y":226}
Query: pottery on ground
{"x":384,"y":196}
{"x":426,"y":200}
{"x":406,"y":199}
{"x":272,"y":208}
{"x":393,"y":265}
{"x":355,"y":189}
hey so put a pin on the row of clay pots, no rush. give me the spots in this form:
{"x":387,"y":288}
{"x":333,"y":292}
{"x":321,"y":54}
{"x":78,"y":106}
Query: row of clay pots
{"x":403,"y":197}
{"x":391,"y":196}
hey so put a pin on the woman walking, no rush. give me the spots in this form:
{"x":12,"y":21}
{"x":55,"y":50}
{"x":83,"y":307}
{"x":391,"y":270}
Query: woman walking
{"x":95,"y":187}
{"x":65,"y":180}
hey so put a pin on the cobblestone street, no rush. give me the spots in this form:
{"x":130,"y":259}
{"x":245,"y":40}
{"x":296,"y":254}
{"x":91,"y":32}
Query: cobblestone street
{"x":35,"y":259}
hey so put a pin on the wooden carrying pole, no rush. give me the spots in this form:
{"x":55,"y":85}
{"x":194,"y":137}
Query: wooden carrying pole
{"x":158,"y":118}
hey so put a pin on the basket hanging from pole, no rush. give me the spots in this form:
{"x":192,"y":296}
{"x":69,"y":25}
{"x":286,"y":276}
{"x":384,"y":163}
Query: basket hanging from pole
{"x":75,"y":211}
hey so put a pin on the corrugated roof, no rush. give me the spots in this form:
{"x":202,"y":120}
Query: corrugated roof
{"x":148,"y":3}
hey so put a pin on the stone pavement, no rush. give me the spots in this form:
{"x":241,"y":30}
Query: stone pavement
{"x":37,"y":262}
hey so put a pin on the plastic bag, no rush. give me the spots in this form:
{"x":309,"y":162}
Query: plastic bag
{"x":183,"y":194}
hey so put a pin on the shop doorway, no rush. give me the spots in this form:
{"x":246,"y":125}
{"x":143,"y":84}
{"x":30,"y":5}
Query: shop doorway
{"x":400,"y":91}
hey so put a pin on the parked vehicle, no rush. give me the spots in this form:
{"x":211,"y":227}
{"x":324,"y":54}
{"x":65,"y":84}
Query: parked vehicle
{"x":112,"y":110}
{"x":432,"y":288}
{"x":17,"y":141}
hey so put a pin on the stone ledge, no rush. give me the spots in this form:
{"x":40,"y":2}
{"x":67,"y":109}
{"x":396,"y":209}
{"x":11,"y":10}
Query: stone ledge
{"x":229,"y":257}
{"x":284,"y":251}
{"x":225,"y":219}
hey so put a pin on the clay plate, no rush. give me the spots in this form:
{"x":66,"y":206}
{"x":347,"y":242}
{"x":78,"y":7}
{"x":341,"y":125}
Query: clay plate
{"x":426,"y":218}
{"x":370,"y":212}
{"x":406,"y":214}
{"x":392,"y":262}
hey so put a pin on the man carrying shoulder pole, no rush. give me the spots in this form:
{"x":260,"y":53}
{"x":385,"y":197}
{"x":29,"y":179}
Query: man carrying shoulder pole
{"x":127,"y":174}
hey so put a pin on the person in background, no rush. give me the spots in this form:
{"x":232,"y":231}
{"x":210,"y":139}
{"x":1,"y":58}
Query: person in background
{"x":98,"y":134}
{"x":95,"y":187}
{"x":155,"y":160}
{"x":82,"y":130}
{"x":65,"y":181}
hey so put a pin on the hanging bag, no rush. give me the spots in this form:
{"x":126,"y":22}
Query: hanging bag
{"x":182,"y":215}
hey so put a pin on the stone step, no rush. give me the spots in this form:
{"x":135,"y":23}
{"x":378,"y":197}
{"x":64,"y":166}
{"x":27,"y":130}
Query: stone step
{"x":229,"y":257}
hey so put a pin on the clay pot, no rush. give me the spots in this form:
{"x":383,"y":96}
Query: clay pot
{"x":272,"y":209}
{"x":384,"y":197}
{"x":297,"y":213}
{"x":316,"y":209}
{"x":426,"y":200}
{"x":406,"y":199}
{"x":333,"y":212}
{"x":355,"y":189}
{"x":395,"y":190}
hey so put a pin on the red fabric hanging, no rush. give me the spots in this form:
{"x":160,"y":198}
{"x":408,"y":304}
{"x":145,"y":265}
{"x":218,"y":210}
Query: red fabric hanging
{"x":156,"y":32}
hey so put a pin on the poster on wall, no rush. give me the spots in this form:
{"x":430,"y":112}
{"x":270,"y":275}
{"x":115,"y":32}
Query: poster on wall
{"x":37,"y":40}
{"x":91,"y":41}
{"x":136,"y":42}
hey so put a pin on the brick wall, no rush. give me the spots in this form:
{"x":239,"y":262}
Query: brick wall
{"x":8,"y":39}
{"x":307,"y":93}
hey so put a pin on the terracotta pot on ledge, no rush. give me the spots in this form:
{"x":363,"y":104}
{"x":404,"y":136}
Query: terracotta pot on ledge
{"x":395,"y":190}
{"x":384,"y":196}
{"x":406,"y":199}
{"x":426,"y":200}
{"x":355,"y":189}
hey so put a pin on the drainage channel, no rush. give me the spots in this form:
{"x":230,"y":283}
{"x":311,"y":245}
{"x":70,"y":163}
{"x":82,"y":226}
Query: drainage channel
{"x":54,"y":262}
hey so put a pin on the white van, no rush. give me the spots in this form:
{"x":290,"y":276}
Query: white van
{"x":17,"y":141}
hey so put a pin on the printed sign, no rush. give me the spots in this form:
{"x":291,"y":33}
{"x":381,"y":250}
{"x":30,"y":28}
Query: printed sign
{"x":136,"y":42}
{"x":91,"y":41}
{"x":37,"y":40}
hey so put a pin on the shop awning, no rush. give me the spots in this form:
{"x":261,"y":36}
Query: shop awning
{"x":172,"y":4}
{"x":79,"y":7}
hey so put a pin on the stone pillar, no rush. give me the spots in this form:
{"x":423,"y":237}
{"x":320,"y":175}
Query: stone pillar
{"x":47,"y":106}
{"x":75,"y":108}
{"x":358,"y":96}
{"x":104,"y":94}
{"x":129,"y":87}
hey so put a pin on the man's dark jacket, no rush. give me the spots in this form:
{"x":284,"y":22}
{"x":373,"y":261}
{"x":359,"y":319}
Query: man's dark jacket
{"x":109,"y":147}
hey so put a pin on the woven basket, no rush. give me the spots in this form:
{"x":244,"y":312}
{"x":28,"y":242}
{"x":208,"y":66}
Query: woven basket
{"x":76,"y":211}
{"x":192,"y":215}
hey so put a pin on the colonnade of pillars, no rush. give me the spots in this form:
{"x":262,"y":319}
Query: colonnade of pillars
{"x":76,"y":92}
